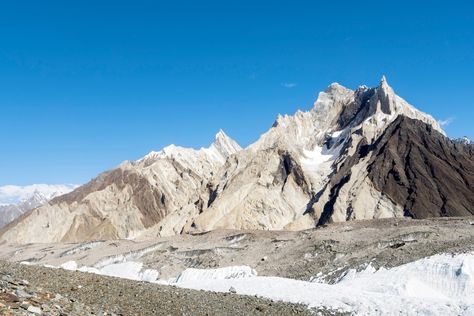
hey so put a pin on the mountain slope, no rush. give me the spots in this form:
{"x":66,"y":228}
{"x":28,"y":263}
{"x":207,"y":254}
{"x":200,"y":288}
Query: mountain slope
{"x":357,"y":154}
{"x":165,"y":188}
{"x":424,"y":171}
{"x":410,"y":170}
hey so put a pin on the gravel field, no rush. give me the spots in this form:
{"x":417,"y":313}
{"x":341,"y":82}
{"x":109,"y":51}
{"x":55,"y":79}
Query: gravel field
{"x":60,"y":292}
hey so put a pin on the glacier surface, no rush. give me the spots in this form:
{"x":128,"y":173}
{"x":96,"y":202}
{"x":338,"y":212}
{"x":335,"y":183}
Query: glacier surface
{"x":438,"y":285}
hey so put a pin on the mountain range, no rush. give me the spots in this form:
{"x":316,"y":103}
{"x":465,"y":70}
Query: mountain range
{"x":356,"y":155}
{"x":16,"y":200}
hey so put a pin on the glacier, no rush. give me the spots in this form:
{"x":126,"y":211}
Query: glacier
{"x":439,"y":285}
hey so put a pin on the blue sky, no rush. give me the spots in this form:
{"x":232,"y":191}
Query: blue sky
{"x":85,"y":85}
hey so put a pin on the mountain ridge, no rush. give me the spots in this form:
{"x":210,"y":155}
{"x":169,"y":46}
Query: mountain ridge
{"x":310,"y":168}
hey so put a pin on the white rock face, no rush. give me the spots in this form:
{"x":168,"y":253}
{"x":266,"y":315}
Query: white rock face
{"x":285,"y":180}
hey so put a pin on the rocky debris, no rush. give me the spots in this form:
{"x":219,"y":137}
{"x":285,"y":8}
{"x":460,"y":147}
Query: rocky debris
{"x":17,"y":297}
{"x":61,"y":292}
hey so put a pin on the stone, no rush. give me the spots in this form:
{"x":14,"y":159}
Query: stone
{"x":25,"y":305}
{"x":35,"y":310}
{"x":23,"y":294}
{"x":9,"y":298}
{"x":45,"y":308}
{"x":24,"y":283}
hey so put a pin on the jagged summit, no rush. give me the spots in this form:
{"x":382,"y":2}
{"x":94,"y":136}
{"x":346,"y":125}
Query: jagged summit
{"x":222,"y":147}
{"x":225,"y":145}
{"x":335,"y":87}
{"x":379,"y":105}
{"x":220,"y":135}
{"x":387,"y":101}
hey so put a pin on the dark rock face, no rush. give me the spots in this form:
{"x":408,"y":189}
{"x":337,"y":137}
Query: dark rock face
{"x":358,"y":110}
{"x":289,"y":167}
{"x":423,"y":171}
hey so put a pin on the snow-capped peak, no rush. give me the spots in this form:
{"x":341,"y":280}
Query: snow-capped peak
{"x":12,"y":194}
{"x":222,"y":147}
{"x":334,"y":87}
{"x":464,"y":140}
{"x":225,"y":145}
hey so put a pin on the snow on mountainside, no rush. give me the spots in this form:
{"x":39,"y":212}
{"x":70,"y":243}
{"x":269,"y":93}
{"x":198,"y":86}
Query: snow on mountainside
{"x":357,"y":154}
{"x":16,"y":200}
{"x":222,"y":147}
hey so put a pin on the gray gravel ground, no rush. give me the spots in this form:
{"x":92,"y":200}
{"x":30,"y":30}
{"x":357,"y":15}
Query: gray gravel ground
{"x":60,"y":292}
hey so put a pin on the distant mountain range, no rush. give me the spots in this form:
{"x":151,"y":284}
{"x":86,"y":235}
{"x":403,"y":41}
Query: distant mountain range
{"x":356,"y":155}
{"x":464,"y":140}
{"x":16,"y":200}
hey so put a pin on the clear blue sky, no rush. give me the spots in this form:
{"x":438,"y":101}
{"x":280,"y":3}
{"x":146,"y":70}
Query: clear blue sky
{"x":85,"y":85}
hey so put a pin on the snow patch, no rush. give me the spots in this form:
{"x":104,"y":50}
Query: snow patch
{"x":314,"y":158}
{"x":70,"y":265}
{"x":228,"y":273}
{"x":127,"y":270}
